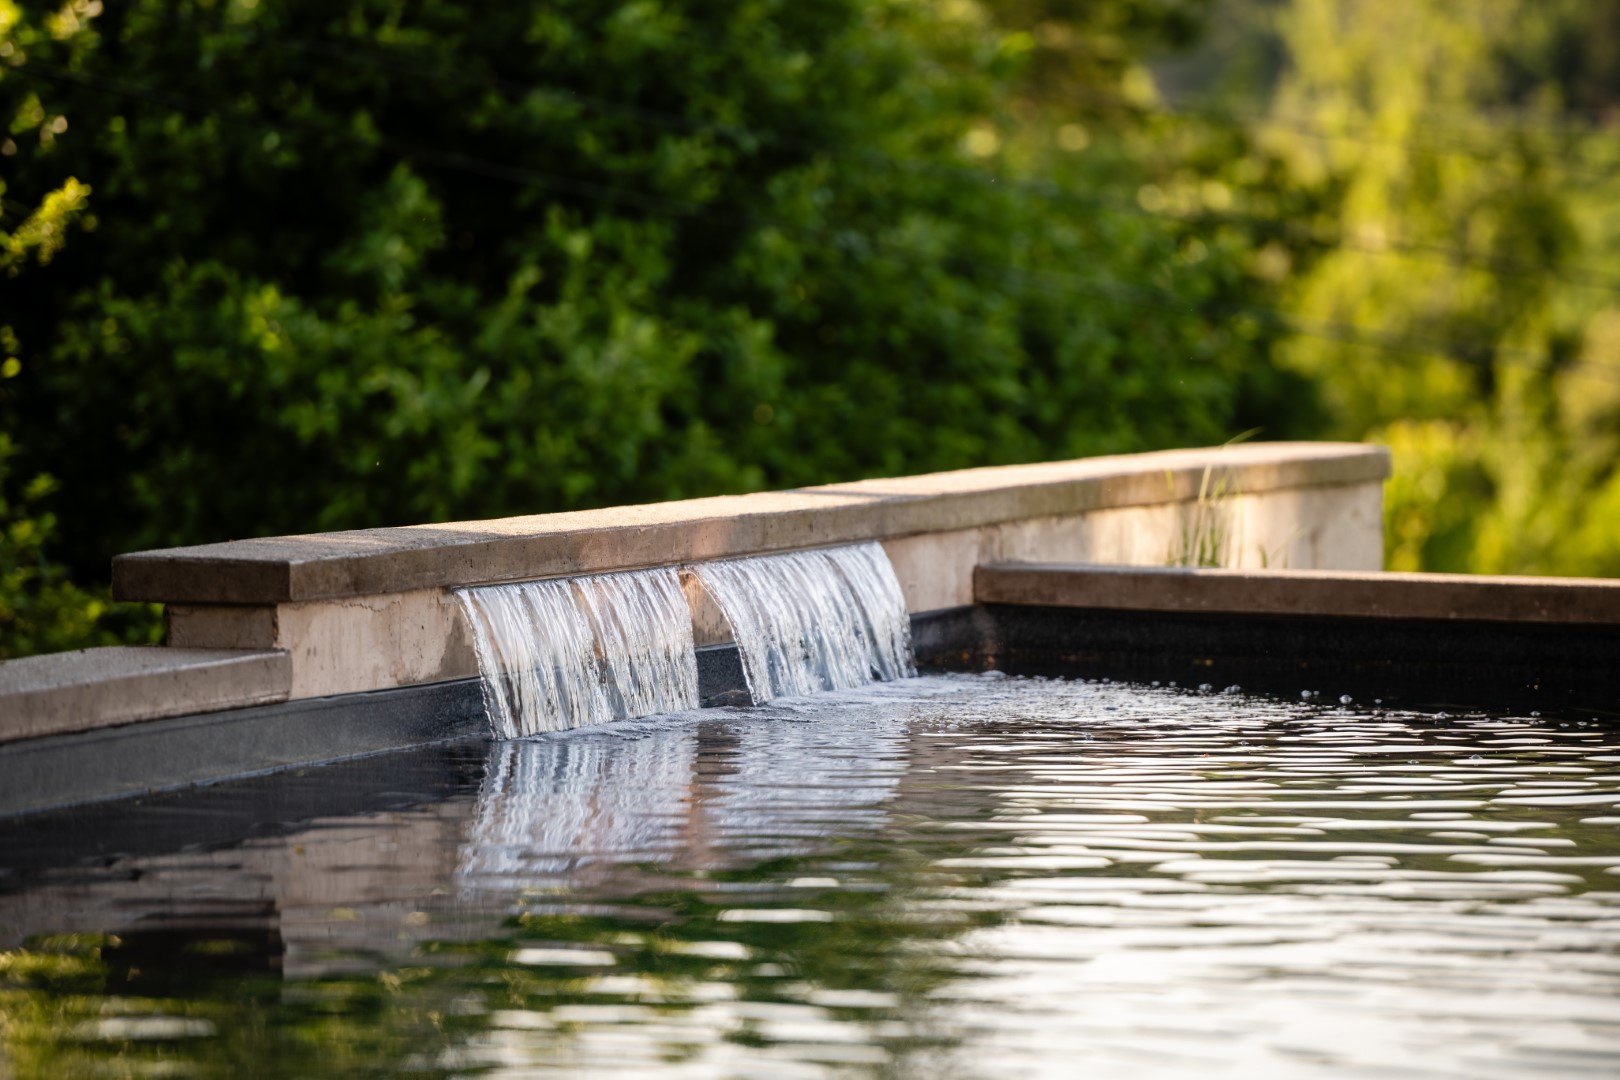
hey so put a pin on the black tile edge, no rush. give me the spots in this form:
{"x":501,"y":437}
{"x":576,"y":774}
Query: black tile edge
{"x":206,"y":816}
{"x":720,"y":677}
{"x":953,"y":639}
{"x":1418,"y":663}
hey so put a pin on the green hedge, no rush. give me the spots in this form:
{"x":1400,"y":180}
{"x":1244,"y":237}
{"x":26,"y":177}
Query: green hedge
{"x":343,"y":264}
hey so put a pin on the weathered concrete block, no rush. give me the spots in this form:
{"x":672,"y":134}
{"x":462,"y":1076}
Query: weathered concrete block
{"x":343,"y":646}
{"x":1315,"y":593}
{"x":92,"y":688}
{"x":291,"y":569}
{"x":1131,"y":510}
{"x":1331,"y":528}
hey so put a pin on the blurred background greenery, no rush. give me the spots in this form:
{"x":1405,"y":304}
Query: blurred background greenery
{"x":273,"y":266}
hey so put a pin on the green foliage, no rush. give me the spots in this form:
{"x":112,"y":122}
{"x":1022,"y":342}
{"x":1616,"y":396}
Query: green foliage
{"x":42,"y":234}
{"x":344,"y":265}
{"x":41,"y":610}
{"x":1475,"y":198}
{"x":1204,"y":535}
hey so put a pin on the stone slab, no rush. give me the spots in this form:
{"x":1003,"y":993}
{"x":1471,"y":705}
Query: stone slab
{"x":1339,"y":594}
{"x":1337,"y":527}
{"x":286,"y":569}
{"x":92,"y":688}
{"x":355,"y":644}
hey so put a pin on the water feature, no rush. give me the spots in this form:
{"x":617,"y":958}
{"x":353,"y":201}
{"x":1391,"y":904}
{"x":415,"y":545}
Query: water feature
{"x":811,"y":621}
{"x":574,"y":652}
{"x":944,"y":876}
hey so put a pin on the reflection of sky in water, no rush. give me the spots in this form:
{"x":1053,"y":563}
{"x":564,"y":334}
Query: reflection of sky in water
{"x":1125,"y":883}
{"x":791,"y":780}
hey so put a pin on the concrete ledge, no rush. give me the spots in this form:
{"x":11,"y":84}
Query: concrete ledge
{"x":1316,"y":593}
{"x":95,"y":688}
{"x":360,"y":643}
{"x":280,"y":570}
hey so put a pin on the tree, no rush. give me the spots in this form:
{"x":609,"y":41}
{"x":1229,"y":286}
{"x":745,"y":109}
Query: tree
{"x":343,"y":266}
{"x":1472,"y":189}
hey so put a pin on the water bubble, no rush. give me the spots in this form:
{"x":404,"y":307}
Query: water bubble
{"x":1378,"y":701}
{"x":1345,"y":699}
{"x":1304,"y":695}
{"x":1155,"y":682}
{"x":1535,"y":714}
{"x":1204,"y":687}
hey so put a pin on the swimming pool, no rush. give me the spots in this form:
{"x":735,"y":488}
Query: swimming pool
{"x":955,"y":875}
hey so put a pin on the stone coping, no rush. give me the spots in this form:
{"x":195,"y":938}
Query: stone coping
{"x":289,"y":569}
{"x":1376,"y":595}
{"x":95,"y":688}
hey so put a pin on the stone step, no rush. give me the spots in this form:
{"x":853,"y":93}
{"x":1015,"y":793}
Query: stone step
{"x":94,"y":688}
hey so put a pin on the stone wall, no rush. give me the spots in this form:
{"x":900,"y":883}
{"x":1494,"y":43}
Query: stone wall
{"x":357,"y":611}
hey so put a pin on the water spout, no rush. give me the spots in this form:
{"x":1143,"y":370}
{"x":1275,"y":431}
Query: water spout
{"x":807,"y":621}
{"x":570,"y":653}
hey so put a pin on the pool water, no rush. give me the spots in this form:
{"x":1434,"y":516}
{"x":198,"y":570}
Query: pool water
{"x":949,"y":876}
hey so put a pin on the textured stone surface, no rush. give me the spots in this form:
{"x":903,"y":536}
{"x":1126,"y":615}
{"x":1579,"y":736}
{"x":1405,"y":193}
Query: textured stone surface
{"x":1468,"y":597}
{"x":351,"y":644}
{"x":343,"y":646}
{"x":221,"y":626}
{"x":1329,"y":528}
{"x":278,"y":570}
{"x":93,"y":688}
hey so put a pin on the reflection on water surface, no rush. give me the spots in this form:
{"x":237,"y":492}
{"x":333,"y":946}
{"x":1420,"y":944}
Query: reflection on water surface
{"x":946,"y":876}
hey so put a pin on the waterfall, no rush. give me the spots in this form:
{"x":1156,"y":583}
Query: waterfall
{"x":569,"y":653}
{"x":807,"y":621}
